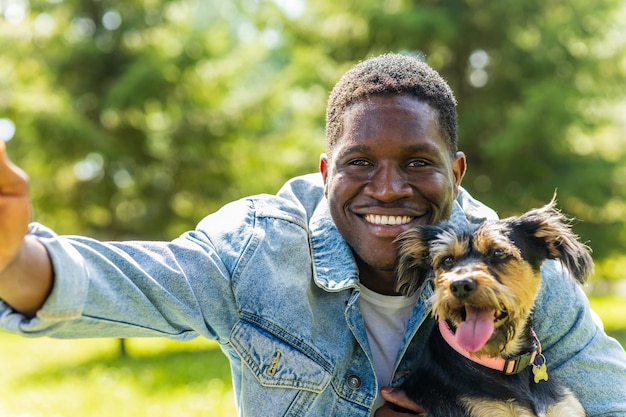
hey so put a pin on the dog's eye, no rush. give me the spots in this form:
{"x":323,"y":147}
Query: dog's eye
{"x":500,"y":254}
{"x":447,"y":262}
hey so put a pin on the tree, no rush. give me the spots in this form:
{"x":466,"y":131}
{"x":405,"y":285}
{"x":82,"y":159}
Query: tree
{"x":146,"y":118}
{"x":149,"y":114}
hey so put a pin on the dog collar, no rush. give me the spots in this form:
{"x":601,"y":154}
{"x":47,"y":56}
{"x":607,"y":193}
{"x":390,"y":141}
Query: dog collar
{"x":506,"y":366}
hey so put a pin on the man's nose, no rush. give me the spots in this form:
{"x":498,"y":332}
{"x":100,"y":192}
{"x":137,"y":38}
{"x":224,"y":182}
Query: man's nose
{"x":388,"y":184}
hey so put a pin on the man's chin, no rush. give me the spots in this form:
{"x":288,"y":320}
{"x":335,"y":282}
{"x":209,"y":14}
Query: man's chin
{"x":381,"y":264}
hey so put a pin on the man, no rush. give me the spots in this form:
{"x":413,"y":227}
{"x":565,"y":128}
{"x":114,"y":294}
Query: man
{"x":298,"y":288}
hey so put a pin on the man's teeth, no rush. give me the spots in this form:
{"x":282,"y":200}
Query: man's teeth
{"x":387,"y":220}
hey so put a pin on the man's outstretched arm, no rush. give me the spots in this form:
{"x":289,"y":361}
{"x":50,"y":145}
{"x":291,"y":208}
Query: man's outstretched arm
{"x":25,"y":268}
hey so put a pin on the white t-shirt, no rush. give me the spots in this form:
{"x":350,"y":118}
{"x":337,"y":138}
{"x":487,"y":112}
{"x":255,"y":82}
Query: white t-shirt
{"x":385,"y":318}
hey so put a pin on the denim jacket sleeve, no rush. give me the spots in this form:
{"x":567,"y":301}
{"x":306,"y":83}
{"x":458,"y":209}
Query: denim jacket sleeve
{"x":577,"y":350}
{"x":133,"y":289}
{"x":229,"y":280}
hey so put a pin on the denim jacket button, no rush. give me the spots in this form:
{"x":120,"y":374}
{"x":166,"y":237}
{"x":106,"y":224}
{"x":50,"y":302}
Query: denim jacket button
{"x":354,"y":382}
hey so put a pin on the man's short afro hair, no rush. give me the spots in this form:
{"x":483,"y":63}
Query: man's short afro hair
{"x":391,"y":74}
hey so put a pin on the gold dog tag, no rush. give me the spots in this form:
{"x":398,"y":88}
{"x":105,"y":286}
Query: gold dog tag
{"x":540,"y":370}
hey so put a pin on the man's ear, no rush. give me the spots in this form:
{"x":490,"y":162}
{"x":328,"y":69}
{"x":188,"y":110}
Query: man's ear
{"x":459,"y":166}
{"x":324,"y":167}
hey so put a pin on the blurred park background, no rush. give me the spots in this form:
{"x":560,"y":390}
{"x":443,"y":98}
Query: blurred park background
{"x":136,"y":118}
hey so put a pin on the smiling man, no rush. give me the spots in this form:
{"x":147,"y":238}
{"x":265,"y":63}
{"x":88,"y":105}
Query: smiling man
{"x":298,"y":288}
{"x":391,"y":169}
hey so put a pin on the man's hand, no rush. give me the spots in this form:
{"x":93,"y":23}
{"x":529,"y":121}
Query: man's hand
{"x":398,"y":404}
{"x":25,"y":268}
{"x":15,"y":208}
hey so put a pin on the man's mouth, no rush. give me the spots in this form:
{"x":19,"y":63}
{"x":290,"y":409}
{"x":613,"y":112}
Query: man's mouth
{"x":388,"y":220}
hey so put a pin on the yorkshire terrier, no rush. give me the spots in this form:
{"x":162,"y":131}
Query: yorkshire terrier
{"x":483,"y":358}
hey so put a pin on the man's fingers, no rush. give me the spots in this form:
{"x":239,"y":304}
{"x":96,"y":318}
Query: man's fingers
{"x":13,"y":180}
{"x":3,"y":150}
{"x":399,"y":398}
{"x":15,"y":208}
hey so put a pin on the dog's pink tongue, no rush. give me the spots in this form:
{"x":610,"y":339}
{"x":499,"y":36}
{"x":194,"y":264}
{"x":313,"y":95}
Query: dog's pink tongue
{"x":477,"y":328}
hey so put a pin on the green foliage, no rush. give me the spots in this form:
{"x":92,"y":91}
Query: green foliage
{"x":137,"y":118}
{"x":612,"y":309}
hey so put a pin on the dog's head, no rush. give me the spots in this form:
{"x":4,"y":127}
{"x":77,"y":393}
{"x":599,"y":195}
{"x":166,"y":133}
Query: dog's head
{"x":487,"y":276}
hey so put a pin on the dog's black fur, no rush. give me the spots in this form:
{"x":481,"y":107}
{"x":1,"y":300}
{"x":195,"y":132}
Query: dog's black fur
{"x":447,"y":384}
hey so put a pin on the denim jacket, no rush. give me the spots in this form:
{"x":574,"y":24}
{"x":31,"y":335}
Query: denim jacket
{"x":272,"y":281}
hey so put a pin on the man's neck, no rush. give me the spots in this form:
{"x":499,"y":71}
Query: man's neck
{"x":381,"y":281}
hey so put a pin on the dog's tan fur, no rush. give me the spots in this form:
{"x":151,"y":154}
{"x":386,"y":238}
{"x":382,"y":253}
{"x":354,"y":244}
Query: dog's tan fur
{"x":569,"y":407}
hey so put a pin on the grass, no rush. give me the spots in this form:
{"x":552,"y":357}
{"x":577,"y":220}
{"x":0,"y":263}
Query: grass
{"x":160,"y":378}
{"x":88,"y":378}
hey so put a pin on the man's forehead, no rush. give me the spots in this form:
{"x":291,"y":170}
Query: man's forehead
{"x":368,"y":102}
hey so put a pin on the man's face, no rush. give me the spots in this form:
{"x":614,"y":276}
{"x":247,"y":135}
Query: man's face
{"x":391,"y":170}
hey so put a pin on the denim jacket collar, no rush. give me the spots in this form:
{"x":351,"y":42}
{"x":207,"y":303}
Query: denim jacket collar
{"x":334,"y":265}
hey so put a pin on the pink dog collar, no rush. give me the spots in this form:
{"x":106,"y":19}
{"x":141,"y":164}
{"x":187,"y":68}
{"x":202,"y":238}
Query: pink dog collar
{"x":507,"y":366}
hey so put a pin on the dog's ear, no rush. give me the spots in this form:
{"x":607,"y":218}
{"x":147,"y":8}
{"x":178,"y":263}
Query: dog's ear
{"x":545,"y":233}
{"x":414,"y":262}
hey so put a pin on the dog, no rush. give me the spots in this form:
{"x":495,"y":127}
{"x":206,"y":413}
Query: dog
{"x":483,"y":358}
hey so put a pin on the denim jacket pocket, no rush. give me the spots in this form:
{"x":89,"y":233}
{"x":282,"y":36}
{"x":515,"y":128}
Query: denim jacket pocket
{"x":275,"y":362}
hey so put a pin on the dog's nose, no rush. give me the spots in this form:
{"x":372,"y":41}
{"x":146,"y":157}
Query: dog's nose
{"x":463,"y":288}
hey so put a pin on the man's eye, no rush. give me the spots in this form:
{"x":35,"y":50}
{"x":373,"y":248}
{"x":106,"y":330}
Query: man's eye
{"x":360,"y":162}
{"x":418,"y":163}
